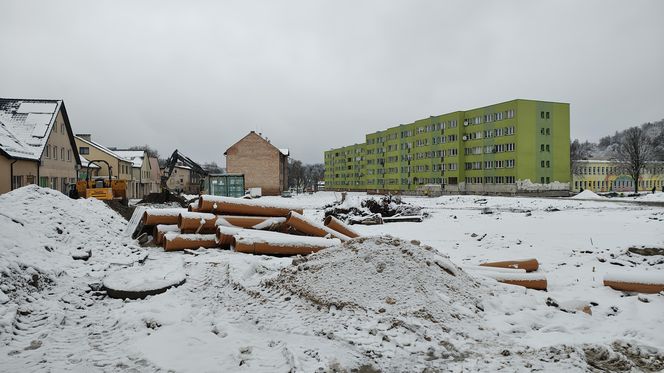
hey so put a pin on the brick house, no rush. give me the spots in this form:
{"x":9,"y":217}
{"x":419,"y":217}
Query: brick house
{"x":36,"y":145}
{"x":263,"y":165}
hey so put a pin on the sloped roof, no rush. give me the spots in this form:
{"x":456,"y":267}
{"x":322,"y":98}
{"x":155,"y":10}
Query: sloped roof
{"x":85,"y":163}
{"x":136,"y":156}
{"x":104,"y":149}
{"x":253,"y":133}
{"x":25,"y":125}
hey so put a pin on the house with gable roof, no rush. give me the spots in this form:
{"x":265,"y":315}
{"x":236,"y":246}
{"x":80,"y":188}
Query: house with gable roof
{"x":264,"y":165}
{"x":37,"y":145}
{"x":121,"y":167}
{"x":141,"y":172}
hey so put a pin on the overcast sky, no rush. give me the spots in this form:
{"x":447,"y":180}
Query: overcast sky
{"x":312,"y":75}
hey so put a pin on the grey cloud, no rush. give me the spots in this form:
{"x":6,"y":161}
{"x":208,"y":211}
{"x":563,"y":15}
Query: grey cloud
{"x":312,"y":75}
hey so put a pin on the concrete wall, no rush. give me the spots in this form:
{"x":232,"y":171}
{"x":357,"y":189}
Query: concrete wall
{"x":261,"y":163}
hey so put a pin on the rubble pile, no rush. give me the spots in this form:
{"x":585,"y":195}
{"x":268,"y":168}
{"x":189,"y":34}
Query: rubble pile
{"x":373,"y":210}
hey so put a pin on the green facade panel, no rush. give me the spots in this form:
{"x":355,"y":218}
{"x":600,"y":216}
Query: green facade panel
{"x":489,"y":149}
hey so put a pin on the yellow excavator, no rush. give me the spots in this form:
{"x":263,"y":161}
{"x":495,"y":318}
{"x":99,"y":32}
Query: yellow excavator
{"x":101,"y":188}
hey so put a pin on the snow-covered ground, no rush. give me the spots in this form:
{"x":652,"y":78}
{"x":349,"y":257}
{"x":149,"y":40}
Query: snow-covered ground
{"x":405,"y":299}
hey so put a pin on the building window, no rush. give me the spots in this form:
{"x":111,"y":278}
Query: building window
{"x":547,"y":148}
{"x":541,"y":180}
{"x":541,"y":114}
{"x":17,"y":182}
{"x":84,"y":150}
{"x":547,"y":164}
{"x":68,"y":155}
{"x":62,"y":128}
{"x":541,"y":147}
{"x":55,"y":152}
{"x":542,"y":164}
{"x":548,"y":131}
{"x":62,"y":154}
{"x":547,"y":115}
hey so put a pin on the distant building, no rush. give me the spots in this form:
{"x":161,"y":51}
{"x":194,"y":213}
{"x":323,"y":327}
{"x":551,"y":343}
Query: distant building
{"x":121,"y":167}
{"x":262,"y":164}
{"x":36,"y":145}
{"x":180,"y":180}
{"x":607,"y":176}
{"x":155,"y":174}
{"x":141,"y":172}
{"x":510,"y":147}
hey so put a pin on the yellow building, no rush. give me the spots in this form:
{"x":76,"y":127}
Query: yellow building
{"x":121,"y":168}
{"x":606,"y":176}
{"x":36,"y":145}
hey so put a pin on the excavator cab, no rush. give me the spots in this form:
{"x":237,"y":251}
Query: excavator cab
{"x":105,"y":189}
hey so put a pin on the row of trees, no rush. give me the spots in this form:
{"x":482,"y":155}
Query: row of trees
{"x":632,"y":149}
{"x":304,"y":176}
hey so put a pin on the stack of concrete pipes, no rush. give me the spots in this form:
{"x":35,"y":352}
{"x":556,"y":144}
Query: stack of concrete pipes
{"x":248,"y":226}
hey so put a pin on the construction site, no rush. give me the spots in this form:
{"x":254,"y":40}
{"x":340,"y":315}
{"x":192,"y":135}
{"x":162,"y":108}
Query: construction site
{"x":331,"y":282}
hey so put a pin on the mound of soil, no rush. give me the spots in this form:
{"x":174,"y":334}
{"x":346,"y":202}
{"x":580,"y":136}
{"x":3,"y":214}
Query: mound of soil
{"x":386,"y":206}
{"x":385,"y":275}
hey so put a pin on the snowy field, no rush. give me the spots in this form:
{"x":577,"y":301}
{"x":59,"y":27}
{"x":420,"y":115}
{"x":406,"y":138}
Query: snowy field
{"x":406,"y":297}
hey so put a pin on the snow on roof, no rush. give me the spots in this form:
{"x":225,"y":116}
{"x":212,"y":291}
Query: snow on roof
{"x":136,"y":156}
{"x":24,"y":126}
{"x":285,"y":152}
{"x":85,"y":163}
{"x":103,"y":149}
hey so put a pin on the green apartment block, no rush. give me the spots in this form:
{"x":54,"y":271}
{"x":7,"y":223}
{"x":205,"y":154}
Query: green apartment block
{"x":511,"y":147}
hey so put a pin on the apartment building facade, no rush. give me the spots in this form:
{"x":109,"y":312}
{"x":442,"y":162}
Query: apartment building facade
{"x":603,"y":176}
{"x":510,"y":147}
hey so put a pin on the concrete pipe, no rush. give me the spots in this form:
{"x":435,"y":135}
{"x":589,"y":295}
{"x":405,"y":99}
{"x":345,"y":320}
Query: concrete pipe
{"x":226,"y":235}
{"x":644,"y":282}
{"x":341,"y":227}
{"x":634,"y":286}
{"x":264,"y":248}
{"x":307,"y":226}
{"x":175,"y":241}
{"x":197,"y":222}
{"x":161,"y":216}
{"x":274,"y":243}
{"x":239,"y":206}
{"x":530,"y":265}
{"x":160,"y":230}
{"x":535,"y":281}
{"x":252,"y":222}
{"x":540,"y":284}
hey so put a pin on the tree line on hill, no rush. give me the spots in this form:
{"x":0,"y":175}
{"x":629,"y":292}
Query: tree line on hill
{"x":632,"y":149}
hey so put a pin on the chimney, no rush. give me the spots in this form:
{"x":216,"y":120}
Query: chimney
{"x":85,"y":136}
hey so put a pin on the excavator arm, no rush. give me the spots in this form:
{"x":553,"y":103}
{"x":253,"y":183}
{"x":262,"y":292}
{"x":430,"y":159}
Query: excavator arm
{"x":173,"y":161}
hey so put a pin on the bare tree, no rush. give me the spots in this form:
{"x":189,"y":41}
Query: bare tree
{"x":579,"y":151}
{"x":633,"y":152}
{"x":295,"y":174}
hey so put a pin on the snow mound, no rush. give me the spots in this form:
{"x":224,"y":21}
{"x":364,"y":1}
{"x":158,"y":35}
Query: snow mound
{"x":388,"y":276}
{"x":588,"y":194}
{"x":141,"y":281}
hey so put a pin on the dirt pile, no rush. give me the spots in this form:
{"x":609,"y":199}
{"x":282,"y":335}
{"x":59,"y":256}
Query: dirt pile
{"x":401,"y":299}
{"x":44,"y":234}
{"x":385,"y":275}
{"x":371,"y":209}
